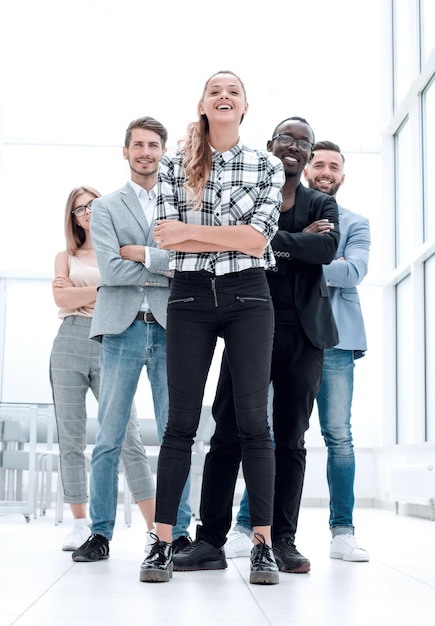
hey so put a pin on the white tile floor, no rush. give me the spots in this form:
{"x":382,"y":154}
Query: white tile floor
{"x":41,"y":586}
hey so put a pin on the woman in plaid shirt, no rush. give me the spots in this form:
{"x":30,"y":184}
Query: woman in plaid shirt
{"x":218,"y":210}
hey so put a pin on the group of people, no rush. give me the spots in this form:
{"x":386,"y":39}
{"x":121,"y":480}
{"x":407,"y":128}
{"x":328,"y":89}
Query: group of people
{"x":216,"y":240}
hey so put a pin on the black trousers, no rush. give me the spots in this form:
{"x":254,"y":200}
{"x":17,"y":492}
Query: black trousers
{"x":296,"y":374}
{"x":201,"y":308}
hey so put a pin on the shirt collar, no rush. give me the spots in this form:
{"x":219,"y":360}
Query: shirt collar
{"x":138,"y":189}
{"x":229,"y":154}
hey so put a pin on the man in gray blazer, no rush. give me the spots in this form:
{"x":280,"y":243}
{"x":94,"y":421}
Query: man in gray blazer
{"x":129,"y":320}
{"x":325,"y":173}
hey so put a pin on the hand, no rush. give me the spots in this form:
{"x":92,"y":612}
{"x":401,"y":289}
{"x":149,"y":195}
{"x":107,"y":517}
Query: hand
{"x":169,"y":232}
{"x":61,"y":282}
{"x":320,"y":226}
{"x":133,"y":252}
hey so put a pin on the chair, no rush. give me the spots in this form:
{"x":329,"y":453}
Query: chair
{"x":48,"y":462}
{"x":18,"y":457}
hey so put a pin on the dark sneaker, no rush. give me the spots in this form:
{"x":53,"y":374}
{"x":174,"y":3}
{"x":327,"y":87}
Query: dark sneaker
{"x":157,"y":566}
{"x":264,"y":570}
{"x":199,"y":555}
{"x":95,"y":548}
{"x":288,"y":558}
{"x":180,"y":543}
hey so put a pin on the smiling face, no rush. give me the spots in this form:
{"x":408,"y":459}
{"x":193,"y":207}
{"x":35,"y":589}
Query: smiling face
{"x":292,"y":156}
{"x":224,"y":99}
{"x":143,"y":154}
{"x":325,"y":171}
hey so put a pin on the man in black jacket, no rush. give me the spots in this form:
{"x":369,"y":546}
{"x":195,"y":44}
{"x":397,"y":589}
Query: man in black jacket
{"x":304,"y":326}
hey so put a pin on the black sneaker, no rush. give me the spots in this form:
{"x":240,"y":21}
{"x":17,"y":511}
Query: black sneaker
{"x":157,"y":566}
{"x":95,"y":548}
{"x":180,"y":543}
{"x":288,"y":558}
{"x":264,"y":570}
{"x":199,"y":555}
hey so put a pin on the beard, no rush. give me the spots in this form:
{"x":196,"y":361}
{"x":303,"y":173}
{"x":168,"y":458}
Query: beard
{"x":331,"y":191}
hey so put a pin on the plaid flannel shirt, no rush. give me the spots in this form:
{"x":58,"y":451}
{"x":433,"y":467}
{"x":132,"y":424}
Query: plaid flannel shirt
{"x":244,"y":188}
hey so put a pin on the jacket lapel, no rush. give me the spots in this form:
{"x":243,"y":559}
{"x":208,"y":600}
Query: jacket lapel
{"x":132,"y":203}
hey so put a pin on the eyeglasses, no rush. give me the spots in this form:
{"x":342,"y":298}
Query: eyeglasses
{"x":288,"y":140}
{"x":81,"y":210}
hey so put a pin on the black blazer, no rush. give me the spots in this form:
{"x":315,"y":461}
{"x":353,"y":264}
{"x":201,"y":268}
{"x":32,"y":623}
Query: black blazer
{"x":308,"y":252}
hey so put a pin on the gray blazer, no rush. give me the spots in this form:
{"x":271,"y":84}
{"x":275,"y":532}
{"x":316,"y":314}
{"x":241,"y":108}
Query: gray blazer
{"x":342,"y":277}
{"x":117,"y":220}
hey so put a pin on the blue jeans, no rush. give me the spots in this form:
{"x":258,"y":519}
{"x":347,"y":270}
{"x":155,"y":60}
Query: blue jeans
{"x":123,"y":357}
{"x":334,"y":403}
{"x":202,"y":307}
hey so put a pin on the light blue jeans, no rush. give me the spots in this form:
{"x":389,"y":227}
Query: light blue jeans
{"x":334,"y":403}
{"x":122,"y":360}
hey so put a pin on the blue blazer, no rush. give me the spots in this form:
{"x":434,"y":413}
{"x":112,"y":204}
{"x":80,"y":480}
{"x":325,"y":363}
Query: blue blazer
{"x":342,"y":277}
{"x":118,"y":219}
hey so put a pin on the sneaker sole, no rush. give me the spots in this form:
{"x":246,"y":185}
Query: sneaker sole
{"x":338,"y":555}
{"x":156,"y":575}
{"x":264,"y":578}
{"x":206,"y":565}
{"x":242,"y":553}
{"x":86,"y":559}
{"x":304,"y":568}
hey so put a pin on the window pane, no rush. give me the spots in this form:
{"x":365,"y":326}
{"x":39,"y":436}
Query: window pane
{"x":427,"y":27}
{"x":429,"y":159}
{"x":404,"y":348}
{"x":430,"y":346}
{"x":404,"y":194}
{"x":402,"y":49}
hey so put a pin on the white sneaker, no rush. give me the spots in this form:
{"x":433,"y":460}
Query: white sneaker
{"x":77,"y":537}
{"x":347,"y":548}
{"x":238,"y":544}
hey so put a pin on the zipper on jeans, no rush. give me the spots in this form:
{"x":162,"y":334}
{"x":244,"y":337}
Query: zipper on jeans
{"x":243,"y":298}
{"x":181,"y":300}
{"x":213,"y":288}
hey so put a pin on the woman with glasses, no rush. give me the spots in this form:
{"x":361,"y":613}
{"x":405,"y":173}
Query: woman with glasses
{"x":219,"y":209}
{"x":74,"y":360}
{"x":75,"y":366}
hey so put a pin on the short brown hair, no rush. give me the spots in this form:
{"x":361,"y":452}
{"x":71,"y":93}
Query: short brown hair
{"x":149,"y":123}
{"x":328,"y":145}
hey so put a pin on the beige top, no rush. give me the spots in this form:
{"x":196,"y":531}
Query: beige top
{"x":81,"y":275}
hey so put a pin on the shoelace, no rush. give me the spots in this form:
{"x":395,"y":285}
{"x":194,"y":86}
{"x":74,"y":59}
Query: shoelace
{"x":263,"y":551}
{"x":192,"y":546}
{"x":350,"y":540}
{"x":158,"y":547}
{"x":94,"y":539}
{"x":289,"y":545}
{"x":97,"y":543}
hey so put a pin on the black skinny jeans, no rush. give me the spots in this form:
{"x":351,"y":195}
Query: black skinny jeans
{"x":296,"y":376}
{"x":202,"y":307}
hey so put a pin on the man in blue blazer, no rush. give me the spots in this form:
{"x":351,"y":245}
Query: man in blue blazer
{"x":324,"y":172}
{"x":130,"y":321}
